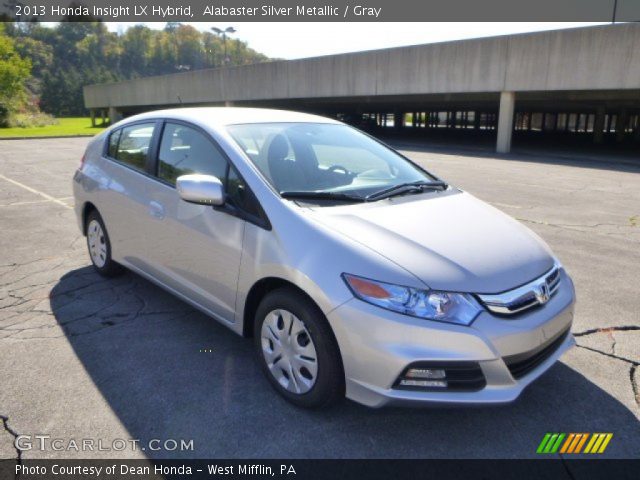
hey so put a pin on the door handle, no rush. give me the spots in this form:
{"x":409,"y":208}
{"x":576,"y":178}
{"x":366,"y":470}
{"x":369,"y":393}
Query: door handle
{"x":156,"y":210}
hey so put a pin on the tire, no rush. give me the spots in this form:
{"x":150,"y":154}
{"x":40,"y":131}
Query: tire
{"x":99,"y":247}
{"x":298,"y":329}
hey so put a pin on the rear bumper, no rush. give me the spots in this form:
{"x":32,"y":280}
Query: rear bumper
{"x":377,"y":346}
{"x":78,"y":194}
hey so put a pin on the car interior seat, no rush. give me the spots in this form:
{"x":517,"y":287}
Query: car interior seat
{"x":286,"y":174}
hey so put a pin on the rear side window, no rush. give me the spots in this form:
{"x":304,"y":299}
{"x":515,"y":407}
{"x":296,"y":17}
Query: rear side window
{"x":132,"y":145}
{"x":184,"y":150}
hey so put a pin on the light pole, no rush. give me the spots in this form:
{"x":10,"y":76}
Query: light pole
{"x":223,"y":34}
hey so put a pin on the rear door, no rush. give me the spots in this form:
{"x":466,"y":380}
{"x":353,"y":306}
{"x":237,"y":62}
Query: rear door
{"x":123,"y":195}
{"x":195,"y":249}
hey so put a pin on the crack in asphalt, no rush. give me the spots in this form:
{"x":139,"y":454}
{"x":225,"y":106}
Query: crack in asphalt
{"x":618,"y":234}
{"x":617,"y":357}
{"x":634,"y":384}
{"x":620,"y":328}
{"x":609,"y":331}
{"x":634,"y":366}
{"x":106,"y":324}
{"x":633,"y":363}
{"x":574,"y":225}
{"x":14,"y":434}
{"x":566,"y":466}
{"x":23,"y":301}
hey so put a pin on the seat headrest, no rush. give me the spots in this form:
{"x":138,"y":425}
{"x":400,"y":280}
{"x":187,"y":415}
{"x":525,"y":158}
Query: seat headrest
{"x":278,"y":148}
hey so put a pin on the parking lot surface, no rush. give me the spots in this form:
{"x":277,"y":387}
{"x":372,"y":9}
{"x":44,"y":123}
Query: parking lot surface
{"x":83,"y":357}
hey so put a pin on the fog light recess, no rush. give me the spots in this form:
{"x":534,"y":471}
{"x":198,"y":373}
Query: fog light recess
{"x":439,"y":376}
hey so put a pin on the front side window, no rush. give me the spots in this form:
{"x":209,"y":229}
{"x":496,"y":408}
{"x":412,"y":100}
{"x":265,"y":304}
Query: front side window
{"x":324,"y":158}
{"x":132,"y":145}
{"x":184,"y":150}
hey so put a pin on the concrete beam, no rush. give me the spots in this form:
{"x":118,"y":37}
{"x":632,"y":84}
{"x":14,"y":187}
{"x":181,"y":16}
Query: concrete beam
{"x":600,"y":58}
{"x":505,"y":122}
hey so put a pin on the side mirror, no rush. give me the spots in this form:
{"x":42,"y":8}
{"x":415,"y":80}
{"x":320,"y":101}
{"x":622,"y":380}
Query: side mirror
{"x":200,"y":189}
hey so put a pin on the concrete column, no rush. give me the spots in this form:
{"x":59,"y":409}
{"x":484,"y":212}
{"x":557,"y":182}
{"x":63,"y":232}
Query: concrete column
{"x":92,"y":112}
{"x":398,"y":120}
{"x":598,"y":126}
{"x":505,"y":121}
{"x":114,"y":115}
{"x":621,"y":124}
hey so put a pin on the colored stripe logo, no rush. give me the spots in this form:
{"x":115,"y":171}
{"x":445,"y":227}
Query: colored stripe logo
{"x":574,"y":443}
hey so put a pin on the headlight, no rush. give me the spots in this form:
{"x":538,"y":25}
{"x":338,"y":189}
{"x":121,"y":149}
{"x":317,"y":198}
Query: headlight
{"x":459,"y":308}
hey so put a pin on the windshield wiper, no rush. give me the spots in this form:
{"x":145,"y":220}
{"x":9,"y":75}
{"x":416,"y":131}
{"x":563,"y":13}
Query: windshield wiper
{"x":321,"y":196}
{"x":403,"y":188}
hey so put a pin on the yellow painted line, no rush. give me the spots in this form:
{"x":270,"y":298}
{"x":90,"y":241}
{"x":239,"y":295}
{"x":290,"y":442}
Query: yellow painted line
{"x":33,"y":190}
{"x":606,"y":442}
{"x":567,"y":442}
{"x":582,"y":440}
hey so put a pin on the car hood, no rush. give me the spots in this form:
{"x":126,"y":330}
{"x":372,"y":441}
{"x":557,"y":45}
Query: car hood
{"x":449,"y":240}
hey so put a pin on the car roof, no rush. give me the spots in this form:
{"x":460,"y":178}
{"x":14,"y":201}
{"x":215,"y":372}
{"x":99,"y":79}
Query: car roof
{"x":221,"y":116}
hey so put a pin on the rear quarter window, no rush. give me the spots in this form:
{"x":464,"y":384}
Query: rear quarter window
{"x":114,"y":138}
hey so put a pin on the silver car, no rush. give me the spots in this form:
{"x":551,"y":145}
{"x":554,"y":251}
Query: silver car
{"x":355,"y":271}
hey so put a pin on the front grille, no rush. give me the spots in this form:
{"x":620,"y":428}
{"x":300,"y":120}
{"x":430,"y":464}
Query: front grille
{"x":460,"y":376}
{"x":521,"y":364}
{"x":533,"y":294}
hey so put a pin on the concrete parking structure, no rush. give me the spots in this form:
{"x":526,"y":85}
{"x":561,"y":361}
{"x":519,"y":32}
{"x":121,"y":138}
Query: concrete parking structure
{"x":564,"y":83}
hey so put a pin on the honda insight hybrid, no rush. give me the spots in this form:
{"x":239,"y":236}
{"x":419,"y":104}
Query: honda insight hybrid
{"x":356,"y":272}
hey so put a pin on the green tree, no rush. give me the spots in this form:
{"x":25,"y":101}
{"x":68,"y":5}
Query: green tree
{"x":73,"y":54}
{"x":14,"y":71}
{"x":136,"y":50}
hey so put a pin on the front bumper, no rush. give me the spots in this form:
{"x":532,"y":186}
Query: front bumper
{"x":378,"y":345}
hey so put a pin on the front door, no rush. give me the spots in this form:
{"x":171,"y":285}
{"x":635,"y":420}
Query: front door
{"x":195,"y":249}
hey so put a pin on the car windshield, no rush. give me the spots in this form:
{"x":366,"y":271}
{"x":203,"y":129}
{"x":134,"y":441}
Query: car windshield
{"x":324,"y":161}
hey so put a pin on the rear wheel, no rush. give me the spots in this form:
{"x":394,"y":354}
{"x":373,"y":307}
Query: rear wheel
{"x":99,"y":247}
{"x":297,"y":350}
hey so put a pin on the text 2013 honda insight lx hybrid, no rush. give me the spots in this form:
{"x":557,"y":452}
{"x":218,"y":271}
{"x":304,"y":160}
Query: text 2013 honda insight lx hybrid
{"x":357,"y":272}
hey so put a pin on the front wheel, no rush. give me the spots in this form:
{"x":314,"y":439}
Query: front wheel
{"x":297,"y":350}
{"x":100,"y":247}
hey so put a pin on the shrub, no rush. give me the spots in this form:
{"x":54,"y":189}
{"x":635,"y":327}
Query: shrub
{"x":30,"y":119}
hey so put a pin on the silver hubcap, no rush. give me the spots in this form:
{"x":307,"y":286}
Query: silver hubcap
{"x":289,"y":351}
{"x":97,"y":244}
